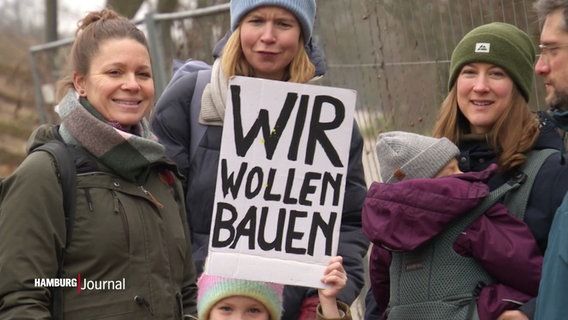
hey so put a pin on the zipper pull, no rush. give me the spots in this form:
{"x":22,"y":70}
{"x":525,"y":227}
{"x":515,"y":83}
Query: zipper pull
{"x":116,"y":202}
{"x":143,"y":302}
{"x":151,"y":196}
{"x":89,"y":199}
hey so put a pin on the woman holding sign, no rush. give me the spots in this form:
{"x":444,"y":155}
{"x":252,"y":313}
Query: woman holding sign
{"x":269,"y":39}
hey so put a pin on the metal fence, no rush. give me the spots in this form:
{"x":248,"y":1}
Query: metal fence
{"x":395,"y":53}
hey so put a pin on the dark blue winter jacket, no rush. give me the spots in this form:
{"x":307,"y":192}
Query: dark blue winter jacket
{"x":171,"y":124}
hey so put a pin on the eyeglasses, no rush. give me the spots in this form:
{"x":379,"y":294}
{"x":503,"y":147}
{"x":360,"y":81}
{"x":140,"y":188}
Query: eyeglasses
{"x":547,"y":48}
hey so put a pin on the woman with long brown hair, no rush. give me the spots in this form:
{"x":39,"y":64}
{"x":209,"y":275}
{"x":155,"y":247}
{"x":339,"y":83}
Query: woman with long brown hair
{"x":487,"y":115}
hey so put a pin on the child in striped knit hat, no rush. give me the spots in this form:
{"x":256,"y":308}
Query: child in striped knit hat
{"x":222,"y":298}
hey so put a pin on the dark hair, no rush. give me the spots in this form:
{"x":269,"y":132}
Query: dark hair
{"x":545,"y":7}
{"x":95,"y":28}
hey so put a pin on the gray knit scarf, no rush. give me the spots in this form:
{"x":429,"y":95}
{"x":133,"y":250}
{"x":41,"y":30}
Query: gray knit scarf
{"x":128,"y":155}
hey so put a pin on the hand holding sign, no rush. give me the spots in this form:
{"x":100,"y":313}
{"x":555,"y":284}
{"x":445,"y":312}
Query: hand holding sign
{"x":281,"y":181}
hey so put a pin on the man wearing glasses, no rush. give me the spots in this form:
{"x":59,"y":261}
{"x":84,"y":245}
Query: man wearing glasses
{"x":552,"y":65}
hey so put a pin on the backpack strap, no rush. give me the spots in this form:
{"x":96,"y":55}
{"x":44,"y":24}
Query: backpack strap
{"x":66,"y":172}
{"x":197,"y":132}
{"x":514,"y":183}
{"x":490,"y":200}
{"x":517,"y":201}
{"x":198,"y":76}
{"x":65,"y":165}
{"x":522,"y":180}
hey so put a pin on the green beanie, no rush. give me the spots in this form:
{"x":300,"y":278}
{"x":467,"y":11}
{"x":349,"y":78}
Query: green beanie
{"x":501,"y":44}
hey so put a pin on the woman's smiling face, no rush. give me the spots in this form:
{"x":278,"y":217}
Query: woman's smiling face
{"x":119,"y":84}
{"x":484,"y":92}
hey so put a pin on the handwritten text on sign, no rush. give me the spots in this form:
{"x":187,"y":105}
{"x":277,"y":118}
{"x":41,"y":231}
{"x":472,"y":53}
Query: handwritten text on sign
{"x":281,"y":181}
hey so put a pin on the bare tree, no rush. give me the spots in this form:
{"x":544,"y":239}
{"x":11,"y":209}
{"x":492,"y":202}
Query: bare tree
{"x":131,"y":7}
{"x":51,"y":20}
{"x":202,"y":33}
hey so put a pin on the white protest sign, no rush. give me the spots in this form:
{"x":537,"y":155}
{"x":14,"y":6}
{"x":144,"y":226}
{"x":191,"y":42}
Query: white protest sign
{"x":281,"y":181}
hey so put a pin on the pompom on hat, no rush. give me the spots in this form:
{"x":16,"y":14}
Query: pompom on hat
{"x":304,"y":10}
{"x":406,"y":155}
{"x":212,"y":289}
{"x":501,"y":44}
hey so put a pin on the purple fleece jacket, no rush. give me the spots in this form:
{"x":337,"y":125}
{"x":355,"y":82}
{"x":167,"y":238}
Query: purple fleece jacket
{"x":405,"y":215}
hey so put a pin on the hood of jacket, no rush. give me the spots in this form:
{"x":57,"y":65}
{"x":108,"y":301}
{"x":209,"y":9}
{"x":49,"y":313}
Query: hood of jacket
{"x":41,"y":135}
{"x":549,"y":137}
{"x":404,"y":215}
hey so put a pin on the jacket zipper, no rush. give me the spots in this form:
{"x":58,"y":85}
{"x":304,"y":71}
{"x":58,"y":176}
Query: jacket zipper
{"x":119,"y":209}
{"x":180,"y":306}
{"x":89,"y":199}
{"x":141,"y":301}
{"x":152,"y":198}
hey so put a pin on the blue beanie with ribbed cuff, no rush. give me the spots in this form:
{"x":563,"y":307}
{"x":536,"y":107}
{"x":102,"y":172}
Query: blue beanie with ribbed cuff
{"x":304,"y":10}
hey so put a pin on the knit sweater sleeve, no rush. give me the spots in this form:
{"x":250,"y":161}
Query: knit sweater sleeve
{"x":344,"y":311}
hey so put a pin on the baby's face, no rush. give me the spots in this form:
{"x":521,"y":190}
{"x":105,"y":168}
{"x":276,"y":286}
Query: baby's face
{"x":451,"y":168}
{"x":239,"y":308}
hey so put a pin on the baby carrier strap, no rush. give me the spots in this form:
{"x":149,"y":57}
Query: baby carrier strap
{"x":433,"y":281}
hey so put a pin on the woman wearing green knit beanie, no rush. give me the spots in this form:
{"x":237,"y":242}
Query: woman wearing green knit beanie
{"x":487,"y":115}
{"x":490,"y":80}
{"x":501,"y":44}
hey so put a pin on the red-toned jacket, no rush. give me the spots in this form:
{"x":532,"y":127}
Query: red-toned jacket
{"x":405,"y":215}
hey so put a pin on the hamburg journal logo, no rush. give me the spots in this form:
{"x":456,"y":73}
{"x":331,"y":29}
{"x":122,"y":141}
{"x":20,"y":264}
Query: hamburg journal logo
{"x":81,"y":284}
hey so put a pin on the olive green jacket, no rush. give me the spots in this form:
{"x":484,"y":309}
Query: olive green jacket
{"x":129,"y":256}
